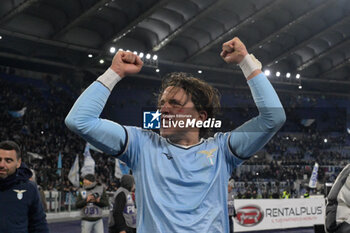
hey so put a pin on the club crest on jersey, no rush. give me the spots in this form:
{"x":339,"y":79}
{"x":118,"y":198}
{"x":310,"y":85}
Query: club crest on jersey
{"x":209,"y":154}
{"x":19,"y":193}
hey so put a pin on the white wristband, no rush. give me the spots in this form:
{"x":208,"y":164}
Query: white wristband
{"x":109,"y":79}
{"x":249,"y":64}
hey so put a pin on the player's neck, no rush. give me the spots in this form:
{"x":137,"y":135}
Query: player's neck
{"x":188,"y":139}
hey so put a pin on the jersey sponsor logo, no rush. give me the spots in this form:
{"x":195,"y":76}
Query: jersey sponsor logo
{"x":209,"y":154}
{"x":151,"y":120}
{"x":250,"y":215}
{"x":19,"y":193}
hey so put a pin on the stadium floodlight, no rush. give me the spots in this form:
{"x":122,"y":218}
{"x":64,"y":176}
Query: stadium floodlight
{"x":267,"y":72}
{"x":102,"y":61}
{"x":288,"y":75}
{"x":90,"y":55}
{"x":199,"y":71}
{"x":112,"y":49}
{"x":278,"y":74}
{"x":300,"y":87}
{"x":148,"y":56}
{"x":157,"y":70}
{"x":325,"y":140}
{"x":297,"y":76}
{"x":141,"y":55}
{"x":155,"y":57}
{"x":0,"y":37}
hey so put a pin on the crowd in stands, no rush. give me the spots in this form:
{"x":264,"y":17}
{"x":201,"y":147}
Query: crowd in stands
{"x":284,"y":161}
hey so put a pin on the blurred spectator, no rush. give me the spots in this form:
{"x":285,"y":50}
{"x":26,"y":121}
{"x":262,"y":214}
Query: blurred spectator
{"x":122,"y":217}
{"x":91,"y":199}
{"x":41,"y":191}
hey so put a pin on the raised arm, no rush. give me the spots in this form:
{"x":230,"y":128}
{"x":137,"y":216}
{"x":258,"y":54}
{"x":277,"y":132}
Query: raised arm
{"x":254,"y":134}
{"x":84,"y":117}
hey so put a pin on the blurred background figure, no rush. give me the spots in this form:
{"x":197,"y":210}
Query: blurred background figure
{"x":231,"y":205}
{"x":122,"y":218}
{"x":91,"y":199}
{"x":41,"y":191}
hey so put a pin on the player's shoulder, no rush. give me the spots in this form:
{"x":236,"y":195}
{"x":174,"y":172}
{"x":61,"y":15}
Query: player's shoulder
{"x":137,"y":131}
{"x":217,"y":137}
{"x":32,"y":184}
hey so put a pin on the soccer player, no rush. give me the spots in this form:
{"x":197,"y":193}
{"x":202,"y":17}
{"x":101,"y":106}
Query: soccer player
{"x":181,"y":179}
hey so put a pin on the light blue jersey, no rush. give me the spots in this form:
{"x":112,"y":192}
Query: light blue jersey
{"x":182,"y":189}
{"x":179,"y":189}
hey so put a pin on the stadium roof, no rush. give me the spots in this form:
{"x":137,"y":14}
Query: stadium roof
{"x":305,"y":37}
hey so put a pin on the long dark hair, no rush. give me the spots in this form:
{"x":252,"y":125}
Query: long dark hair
{"x":204,"y":96}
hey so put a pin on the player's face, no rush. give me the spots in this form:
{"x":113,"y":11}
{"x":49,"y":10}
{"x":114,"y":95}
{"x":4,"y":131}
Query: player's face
{"x":175,"y":106}
{"x":8,"y":163}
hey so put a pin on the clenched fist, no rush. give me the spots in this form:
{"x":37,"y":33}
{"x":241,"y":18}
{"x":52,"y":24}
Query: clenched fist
{"x":126,"y":63}
{"x":233,"y":51}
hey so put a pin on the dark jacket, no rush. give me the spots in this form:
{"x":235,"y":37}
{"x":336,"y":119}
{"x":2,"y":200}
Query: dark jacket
{"x":21,"y":209}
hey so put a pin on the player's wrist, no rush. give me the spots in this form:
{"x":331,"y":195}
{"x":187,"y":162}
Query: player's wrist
{"x":243,"y":55}
{"x":109,"y":78}
{"x":118,"y":70}
{"x":249,"y":64}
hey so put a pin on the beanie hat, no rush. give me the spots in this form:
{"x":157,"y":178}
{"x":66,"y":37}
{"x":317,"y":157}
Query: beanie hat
{"x":127,"y":182}
{"x":90,"y":177}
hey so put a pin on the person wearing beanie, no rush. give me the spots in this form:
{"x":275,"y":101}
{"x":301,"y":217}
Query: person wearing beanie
{"x":122,"y":217}
{"x":91,"y":199}
{"x":21,"y":209}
